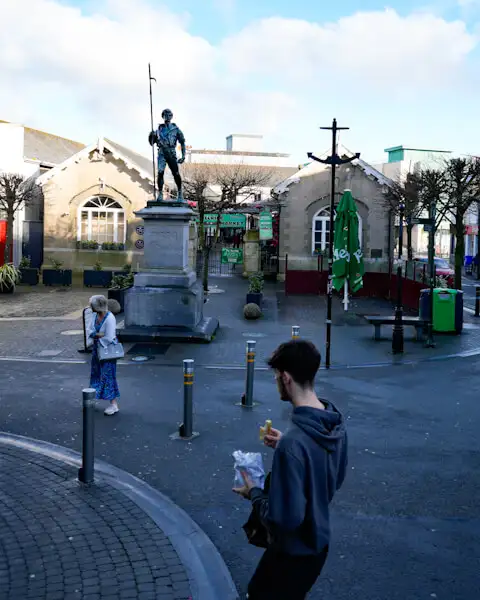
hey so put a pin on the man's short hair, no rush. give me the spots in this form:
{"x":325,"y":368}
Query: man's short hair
{"x":299,"y":358}
{"x":165,"y":111}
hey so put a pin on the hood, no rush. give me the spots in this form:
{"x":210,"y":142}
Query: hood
{"x":326,"y":427}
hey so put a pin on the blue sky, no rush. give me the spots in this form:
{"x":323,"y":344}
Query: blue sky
{"x":403,"y":73}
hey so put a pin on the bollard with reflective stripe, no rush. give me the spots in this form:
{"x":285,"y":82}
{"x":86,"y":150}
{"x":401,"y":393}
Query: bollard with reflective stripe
{"x":477,"y":300}
{"x":247,"y":399}
{"x":186,"y":428}
{"x":295,"y":332}
{"x":86,"y":472}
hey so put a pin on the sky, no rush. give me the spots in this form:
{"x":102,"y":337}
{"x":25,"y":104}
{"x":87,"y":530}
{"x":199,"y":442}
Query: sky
{"x":406,"y":73}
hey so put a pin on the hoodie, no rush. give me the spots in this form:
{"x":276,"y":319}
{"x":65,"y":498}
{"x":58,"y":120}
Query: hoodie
{"x":309,"y":466}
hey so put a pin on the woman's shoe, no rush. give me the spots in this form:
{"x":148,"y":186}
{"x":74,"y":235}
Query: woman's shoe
{"x":112,"y":409}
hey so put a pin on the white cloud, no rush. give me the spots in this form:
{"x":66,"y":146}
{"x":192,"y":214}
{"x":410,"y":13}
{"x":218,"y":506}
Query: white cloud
{"x":419,"y":49}
{"x":82,"y":74}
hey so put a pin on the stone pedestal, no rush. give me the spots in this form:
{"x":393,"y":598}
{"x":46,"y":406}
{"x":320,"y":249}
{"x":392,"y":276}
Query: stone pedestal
{"x":166,"y":301}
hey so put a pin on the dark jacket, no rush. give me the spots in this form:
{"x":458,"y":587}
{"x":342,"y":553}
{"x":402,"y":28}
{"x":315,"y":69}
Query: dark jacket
{"x":309,"y":466}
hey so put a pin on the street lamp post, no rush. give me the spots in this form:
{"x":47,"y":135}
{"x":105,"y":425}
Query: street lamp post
{"x":431,"y":264}
{"x":401,"y":216}
{"x":398,"y":331}
{"x":333,"y":161}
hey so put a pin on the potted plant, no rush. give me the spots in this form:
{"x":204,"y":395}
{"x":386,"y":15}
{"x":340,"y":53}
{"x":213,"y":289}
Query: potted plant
{"x":120,"y":284}
{"x":56,"y":275}
{"x":126,"y":270}
{"x":113,"y":246}
{"x":97,"y":277}
{"x":87,"y":245}
{"x":255,"y":295}
{"x":28,"y":275}
{"x":9,"y":277}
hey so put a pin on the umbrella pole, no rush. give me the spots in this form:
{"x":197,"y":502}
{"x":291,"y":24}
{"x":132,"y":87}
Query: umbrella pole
{"x":345,"y":295}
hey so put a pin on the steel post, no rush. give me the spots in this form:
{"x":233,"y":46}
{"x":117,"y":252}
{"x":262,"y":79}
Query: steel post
{"x":247,"y":399}
{"x":186,"y":428}
{"x":295,"y":332}
{"x":86,"y":472}
{"x":398,"y":337}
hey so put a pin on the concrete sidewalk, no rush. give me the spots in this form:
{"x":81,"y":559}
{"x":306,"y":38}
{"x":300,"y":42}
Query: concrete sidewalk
{"x":352,"y":337}
{"x":65,"y":541}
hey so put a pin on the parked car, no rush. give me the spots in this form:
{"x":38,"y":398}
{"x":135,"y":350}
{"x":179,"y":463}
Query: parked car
{"x":442,"y":266}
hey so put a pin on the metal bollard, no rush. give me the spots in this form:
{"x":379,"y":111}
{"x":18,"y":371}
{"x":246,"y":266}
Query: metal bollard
{"x":295,"y":332}
{"x":247,"y":398}
{"x":86,"y":472}
{"x":477,"y":300}
{"x":85,"y":349}
{"x":186,"y":428}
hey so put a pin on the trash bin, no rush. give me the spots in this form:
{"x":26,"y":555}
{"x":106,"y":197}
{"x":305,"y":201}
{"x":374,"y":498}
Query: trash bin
{"x":447,"y":309}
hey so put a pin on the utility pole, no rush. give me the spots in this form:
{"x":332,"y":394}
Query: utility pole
{"x":432,"y":209}
{"x":398,"y":330}
{"x":333,"y":161}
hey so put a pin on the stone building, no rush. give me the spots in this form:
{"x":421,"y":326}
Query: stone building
{"x":304,"y":199}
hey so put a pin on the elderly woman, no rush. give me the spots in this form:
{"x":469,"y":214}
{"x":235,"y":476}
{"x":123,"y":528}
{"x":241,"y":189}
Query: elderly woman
{"x":103,"y":376}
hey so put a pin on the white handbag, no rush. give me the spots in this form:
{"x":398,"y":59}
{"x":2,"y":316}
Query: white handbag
{"x":111,"y":352}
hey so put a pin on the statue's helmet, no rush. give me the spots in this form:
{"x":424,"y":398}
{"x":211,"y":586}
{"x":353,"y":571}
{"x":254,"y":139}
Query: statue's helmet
{"x":166,"y":112}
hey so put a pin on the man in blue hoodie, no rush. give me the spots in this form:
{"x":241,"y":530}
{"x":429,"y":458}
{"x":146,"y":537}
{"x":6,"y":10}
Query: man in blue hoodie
{"x":309,"y":466}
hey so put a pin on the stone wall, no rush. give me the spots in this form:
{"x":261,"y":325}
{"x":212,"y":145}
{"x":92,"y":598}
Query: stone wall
{"x":311,"y":194}
{"x":70,"y":188}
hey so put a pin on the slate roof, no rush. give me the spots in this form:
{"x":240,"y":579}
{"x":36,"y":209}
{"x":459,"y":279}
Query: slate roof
{"x":47,"y":148}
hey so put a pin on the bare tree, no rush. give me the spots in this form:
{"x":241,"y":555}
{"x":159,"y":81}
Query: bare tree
{"x":405,"y":197}
{"x":240,"y":180}
{"x":16,"y":191}
{"x":462,"y":189}
{"x":236,"y":182}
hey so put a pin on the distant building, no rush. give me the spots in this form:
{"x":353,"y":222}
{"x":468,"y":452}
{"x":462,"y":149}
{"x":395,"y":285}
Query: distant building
{"x":401,"y":161}
{"x":30,"y":152}
{"x":247,"y":150}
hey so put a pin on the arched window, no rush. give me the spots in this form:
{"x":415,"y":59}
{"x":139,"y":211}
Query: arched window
{"x":101,"y":219}
{"x":321,"y":230}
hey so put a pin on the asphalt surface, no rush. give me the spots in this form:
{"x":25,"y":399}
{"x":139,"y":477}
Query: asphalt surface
{"x":406,"y":524}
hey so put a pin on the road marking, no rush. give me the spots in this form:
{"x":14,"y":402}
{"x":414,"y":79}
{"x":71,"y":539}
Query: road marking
{"x":65,"y":361}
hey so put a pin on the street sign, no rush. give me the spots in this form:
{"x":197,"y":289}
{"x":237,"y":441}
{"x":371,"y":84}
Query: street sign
{"x":235,"y":221}
{"x":232,"y":256}
{"x":422,"y":222}
{"x":266,"y":226}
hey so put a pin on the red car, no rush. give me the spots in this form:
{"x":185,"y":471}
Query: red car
{"x":443,"y":269}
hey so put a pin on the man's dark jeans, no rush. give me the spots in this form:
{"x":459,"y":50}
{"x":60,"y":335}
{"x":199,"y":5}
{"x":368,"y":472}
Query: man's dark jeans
{"x":284,"y":577}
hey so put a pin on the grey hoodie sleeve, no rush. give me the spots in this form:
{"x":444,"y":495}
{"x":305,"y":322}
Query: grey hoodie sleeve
{"x":285,"y":506}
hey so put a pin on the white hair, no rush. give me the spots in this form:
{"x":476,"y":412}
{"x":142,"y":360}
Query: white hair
{"x":99,"y":303}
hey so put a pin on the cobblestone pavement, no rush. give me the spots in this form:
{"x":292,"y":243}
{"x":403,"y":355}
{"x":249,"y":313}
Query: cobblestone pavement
{"x":63,"y":541}
{"x":41,"y":301}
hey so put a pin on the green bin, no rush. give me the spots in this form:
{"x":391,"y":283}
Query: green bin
{"x":444,"y":310}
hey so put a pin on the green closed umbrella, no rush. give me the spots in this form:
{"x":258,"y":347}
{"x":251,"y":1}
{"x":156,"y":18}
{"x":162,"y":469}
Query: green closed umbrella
{"x":348,"y":268}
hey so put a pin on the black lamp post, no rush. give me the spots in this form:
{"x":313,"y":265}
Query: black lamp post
{"x":401,"y":216}
{"x":398,"y":332}
{"x":333,"y":161}
{"x":430,"y":343}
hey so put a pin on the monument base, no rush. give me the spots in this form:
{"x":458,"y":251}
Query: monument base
{"x":204,"y":333}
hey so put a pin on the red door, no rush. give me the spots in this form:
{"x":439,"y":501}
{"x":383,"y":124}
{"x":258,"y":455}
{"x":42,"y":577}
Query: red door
{"x":3,"y":240}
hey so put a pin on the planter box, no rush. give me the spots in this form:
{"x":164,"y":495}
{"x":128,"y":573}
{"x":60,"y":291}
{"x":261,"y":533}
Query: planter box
{"x":57,"y":277}
{"x":254,"y":298}
{"x":92,"y":278}
{"x":29,"y":276}
{"x":7,"y":289}
{"x":119,"y":296}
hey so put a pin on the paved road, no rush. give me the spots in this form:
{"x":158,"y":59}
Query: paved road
{"x":407,"y":522}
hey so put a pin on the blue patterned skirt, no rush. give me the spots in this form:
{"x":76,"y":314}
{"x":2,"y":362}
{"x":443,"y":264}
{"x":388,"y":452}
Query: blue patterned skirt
{"x":103,"y":376}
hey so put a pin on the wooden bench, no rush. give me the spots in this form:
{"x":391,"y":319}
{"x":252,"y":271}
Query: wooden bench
{"x":416,"y":322}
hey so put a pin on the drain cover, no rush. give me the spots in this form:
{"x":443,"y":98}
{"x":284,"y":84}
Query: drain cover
{"x":141,"y":358}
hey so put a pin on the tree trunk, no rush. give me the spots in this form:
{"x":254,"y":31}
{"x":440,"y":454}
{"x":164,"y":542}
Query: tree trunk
{"x":459,"y":249}
{"x":409,"y":241}
{"x":9,"y":244}
{"x":206,"y":259}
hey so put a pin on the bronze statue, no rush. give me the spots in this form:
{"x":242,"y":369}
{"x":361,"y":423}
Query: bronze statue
{"x":166,"y":137}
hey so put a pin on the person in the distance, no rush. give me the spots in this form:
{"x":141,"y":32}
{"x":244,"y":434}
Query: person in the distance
{"x":309,"y":466}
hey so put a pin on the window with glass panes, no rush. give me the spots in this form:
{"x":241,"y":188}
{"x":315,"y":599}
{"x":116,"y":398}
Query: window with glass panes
{"x":321,"y":231}
{"x":101,"y":219}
